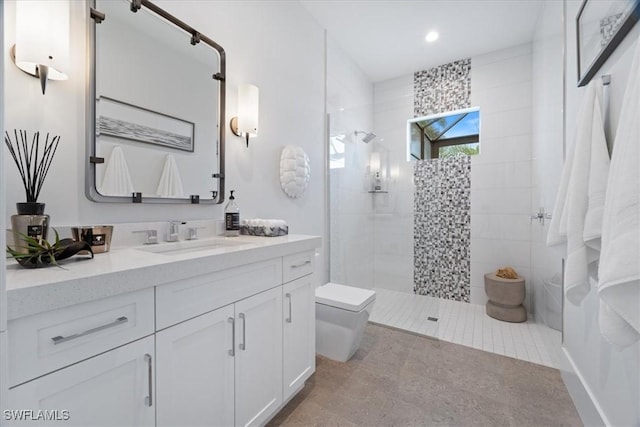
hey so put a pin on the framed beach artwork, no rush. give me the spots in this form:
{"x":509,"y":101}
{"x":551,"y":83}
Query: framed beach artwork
{"x":128,"y":121}
{"x":600,"y":27}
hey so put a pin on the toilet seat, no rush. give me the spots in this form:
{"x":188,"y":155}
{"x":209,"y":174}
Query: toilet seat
{"x":344,"y":297}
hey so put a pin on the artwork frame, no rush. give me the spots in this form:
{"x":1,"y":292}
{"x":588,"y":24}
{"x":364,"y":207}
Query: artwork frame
{"x":134,"y":123}
{"x":600,"y":28}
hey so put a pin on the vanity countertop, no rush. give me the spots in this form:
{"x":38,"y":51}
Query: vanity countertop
{"x":31,"y":291}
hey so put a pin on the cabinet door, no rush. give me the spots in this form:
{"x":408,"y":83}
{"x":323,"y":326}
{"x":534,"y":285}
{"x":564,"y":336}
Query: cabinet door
{"x":299,"y":333}
{"x":194,"y":371}
{"x":112,"y":389}
{"x":258,"y":357}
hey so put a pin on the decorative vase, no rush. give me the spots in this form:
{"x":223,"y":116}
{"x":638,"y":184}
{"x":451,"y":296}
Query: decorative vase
{"x":30,"y":208}
{"x":30,"y":221}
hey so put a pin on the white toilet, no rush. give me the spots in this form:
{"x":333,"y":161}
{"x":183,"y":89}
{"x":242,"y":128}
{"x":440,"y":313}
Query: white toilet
{"x":341,"y":316}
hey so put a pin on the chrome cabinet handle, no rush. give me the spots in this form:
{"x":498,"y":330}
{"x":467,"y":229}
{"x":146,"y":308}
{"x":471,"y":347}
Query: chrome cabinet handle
{"x":244,"y":332}
{"x":288,"y":296}
{"x":307,"y":262}
{"x":149,"y":399}
{"x":232,"y":352}
{"x":60,"y":339}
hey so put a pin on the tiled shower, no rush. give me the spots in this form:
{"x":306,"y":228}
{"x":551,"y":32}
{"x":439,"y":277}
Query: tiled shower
{"x":440,"y":225}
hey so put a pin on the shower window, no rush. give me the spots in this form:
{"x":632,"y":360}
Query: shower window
{"x":444,"y":135}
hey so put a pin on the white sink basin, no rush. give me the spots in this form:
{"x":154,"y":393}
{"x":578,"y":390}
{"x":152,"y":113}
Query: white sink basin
{"x":192,"y":246}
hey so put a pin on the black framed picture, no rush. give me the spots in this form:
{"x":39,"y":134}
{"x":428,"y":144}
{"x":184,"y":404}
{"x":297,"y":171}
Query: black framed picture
{"x":128,"y":121}
{"x":600,"y":26}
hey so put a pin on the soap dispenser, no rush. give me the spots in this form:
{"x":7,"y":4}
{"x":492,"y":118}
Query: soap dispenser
{"x":232,"y":217}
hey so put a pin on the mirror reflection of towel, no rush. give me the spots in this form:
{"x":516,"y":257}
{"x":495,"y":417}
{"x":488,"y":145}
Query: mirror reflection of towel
{"x":170,"y":184}
{"x":116,"y":180}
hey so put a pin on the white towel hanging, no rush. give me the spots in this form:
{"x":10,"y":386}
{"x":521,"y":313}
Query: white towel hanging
{"x":577,"y":215}
{"x":619,"y":270}
{"x":116,"y":180}
{"x":170,"y":183}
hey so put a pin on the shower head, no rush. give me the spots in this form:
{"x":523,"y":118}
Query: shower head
{"x":368,"y":136}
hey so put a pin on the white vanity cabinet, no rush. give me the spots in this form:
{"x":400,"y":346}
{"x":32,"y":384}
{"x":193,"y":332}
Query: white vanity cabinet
{"x":224,"y":367}
{"x":195,"y":371}
{"x":112,"y":389}
{"x":89,"y":359}
{"x":299,"y":329}
{"x":258,"y":357}
{"x":223,"y":347}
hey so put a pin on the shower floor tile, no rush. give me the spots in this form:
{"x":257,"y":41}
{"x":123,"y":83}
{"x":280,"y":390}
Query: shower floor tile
{"x":467,"y":325}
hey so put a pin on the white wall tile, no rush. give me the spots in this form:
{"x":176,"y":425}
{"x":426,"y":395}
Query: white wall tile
{"x":501,"y":252}
{"x":515,"y":69}
{"x":501,"y":175}
{"x":478,"y":295}
{"x":501,"y":227}
{"x":506,"y":123}
{"x":503,"y":149}
{"x":501,"y":201}
{"x":502,"y":98}
{"x":499,"y":56}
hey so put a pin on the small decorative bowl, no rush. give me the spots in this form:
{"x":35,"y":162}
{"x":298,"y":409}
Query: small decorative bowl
{"x":98,"y":236}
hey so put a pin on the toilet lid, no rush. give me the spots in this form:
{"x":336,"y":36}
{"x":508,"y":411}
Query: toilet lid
{"x":344,"y":297}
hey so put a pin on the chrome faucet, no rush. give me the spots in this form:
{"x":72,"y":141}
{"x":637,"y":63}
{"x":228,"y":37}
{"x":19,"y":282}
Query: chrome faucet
{"x":174,"y":231}
{"x":152,"y":236}
{"x":192,"y":233}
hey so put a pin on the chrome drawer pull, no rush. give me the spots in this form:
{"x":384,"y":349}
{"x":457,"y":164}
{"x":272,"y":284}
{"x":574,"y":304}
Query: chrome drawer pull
{"x":232,"y":352}
{"x":149,"y":399}
{"x":60,"y":339}
{"x":307,"y":262}
{"x":288,"y":320}
{"x":244,"y":332}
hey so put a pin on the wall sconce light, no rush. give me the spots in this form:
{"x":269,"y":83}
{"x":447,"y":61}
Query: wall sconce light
{"x":42,"y":39}
{"x":245,"y":124}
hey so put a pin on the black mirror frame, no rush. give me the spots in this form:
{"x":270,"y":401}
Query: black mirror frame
{"x":631,"y":19}
{"x":94,"y":18}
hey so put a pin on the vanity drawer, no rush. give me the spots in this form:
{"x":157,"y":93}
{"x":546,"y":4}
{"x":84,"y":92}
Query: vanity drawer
{"x":188,"y":298}
{"x":298,"y":265}
{"x":48,"y":341}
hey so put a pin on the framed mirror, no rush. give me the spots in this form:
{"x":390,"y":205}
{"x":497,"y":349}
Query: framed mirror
{"x":156,"y":107}
{"x":600,"y":27}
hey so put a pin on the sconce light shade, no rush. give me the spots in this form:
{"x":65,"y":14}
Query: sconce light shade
{"x":246,"y":123}
{"x":42,"y":39}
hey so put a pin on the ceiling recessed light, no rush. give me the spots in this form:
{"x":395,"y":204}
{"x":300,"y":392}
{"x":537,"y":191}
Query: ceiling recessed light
{"x":432,"y":36}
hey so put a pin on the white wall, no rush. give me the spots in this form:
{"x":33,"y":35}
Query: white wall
{"x":611,"y":377}
{"x":350,"y":107}
{"x":260,"y":48}
{"x":501,"y":173}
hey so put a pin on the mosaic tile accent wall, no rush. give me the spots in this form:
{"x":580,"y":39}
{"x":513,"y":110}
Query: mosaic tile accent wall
{"x":443,"y":88}
{"x":442,"y":228}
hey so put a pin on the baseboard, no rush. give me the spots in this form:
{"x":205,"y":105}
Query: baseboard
{"x":587,"y":406}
